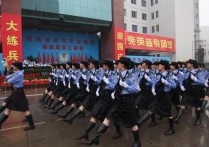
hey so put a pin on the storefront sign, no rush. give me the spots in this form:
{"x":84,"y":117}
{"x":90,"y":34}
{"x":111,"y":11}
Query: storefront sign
{"x":119,"y":35}
{"x":152,"y":59}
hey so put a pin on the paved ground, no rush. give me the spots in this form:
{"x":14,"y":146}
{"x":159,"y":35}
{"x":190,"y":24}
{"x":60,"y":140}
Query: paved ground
{"x":50,"y":132}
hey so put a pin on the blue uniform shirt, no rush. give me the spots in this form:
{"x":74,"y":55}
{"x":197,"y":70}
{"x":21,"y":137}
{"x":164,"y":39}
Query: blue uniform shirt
{"x":16,"y":79}
{"x":113,"y":80}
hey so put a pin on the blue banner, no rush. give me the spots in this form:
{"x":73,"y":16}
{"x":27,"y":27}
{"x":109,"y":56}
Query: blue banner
{"x":54,"y":46}
{"x":151,"y":58}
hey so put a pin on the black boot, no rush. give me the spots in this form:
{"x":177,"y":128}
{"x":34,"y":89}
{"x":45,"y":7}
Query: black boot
{"x":43,"y":98}
{"x":118,"y":133}
{"x":31,"y":124}
{"x":57,"y":109}
{"x":171,"y":129}
{"x":55,"y":105}
{"x":85,"y":134}
{"x":3,"y":118}
{"x":142,"y":120}
{"x":198,"y":121}
{"x":46,"y":100}
{"x":153,"y":121}
{"x":179,"y":115}
{"x":82,"y":115}
{"x":137,"y":142}
{"x":177,"y":111}
{"x":69,"y":110}
{"x":204,"y":103}
{"x":102,"y":129}
{"x":24,"y":120}
{"x":2,"y":108}
{"x":71,"y":119}
{"x":49,"y":103}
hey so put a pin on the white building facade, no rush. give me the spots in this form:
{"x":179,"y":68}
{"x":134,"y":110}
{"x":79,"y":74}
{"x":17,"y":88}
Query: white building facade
{"x":168,"y":18}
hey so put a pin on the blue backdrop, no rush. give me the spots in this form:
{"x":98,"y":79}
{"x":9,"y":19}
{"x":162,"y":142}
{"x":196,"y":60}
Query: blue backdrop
{"x":151,"y":58}
{"x":56,"y":46}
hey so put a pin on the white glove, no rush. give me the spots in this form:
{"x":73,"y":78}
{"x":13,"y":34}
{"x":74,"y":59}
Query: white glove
{"x":147,"y":77}
{"x":67,"y":76}
{"x":105,"y":80}
{"x":69,"y":85}
{"x":56,"y":83}
{"x":206,"y":81}
{"x":50,"y":73}
{"x":64,"y":83}
{"x":164,"y":81}
{"x":61,"y":76}
{"x":113,"y":95}
{"x":206,"y":84}
{"x":87,"y":89}
{"x":123,"y":84}
{"x":78,"y":85}
{"x":49,"y":79}
{"x":154,"y":92}
{"x":97,"y":92}
{"x":182,"y":88}
{"x":74,"y":77}
{"x":193,"y":78}
{"x":138,"y":88}
{"x":175,"y":77}
{"x":53,"y":74}
{"x":84,"y":76}
{"x":93,"y":78}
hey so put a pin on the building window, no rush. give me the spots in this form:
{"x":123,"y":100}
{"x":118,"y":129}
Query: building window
{"x":134,"y":28}
{"x":124,"y":12}
{"x":144,"y":3}
{"x":152,"y":2}
{"x":157,"y":14}
{"x":197,"y":26}
{"x":125,"y":26}
{"x":197,"y":6}
{"x":153,"y":29}
{"x":144,"y":30}
{"x":153,"y":15}
{"x":144,"y":16}
{"x":133,"y":1}
{"x":157,"y":28}
{"x":197,"y":16}
{"x":156,"y":1}
{"x":134,"y":14}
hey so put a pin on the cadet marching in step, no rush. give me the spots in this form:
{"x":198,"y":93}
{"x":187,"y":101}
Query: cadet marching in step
{"x":116,"y":91}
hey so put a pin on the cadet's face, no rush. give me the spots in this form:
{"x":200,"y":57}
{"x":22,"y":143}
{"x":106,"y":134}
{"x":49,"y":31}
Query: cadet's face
{"x":105,"y":67}
{"x":172,"y":67}
{"x":91,"y":65}
{"x":144,"y":65}
{"x":67,"y":66}
{"x":183,"y":66}
{"x":139,"y":66}
{"x":15,"y":68}
{"x":115,"y":66}
{"x":188,"y":65}
{"x":81,"y":66}
{"x":73,"y":67}
{"x":160,"y":67}
{"x":120,"y":66}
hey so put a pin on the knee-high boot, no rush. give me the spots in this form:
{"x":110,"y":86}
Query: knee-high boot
{"x":48,"y":97}
{"x":55,"y":105}
{"x":153,"y":121}
{"x":2,"y":108}
{"x":179,"y":115}
{"x":57,"y":109}
{"x":204,"y":103}
{"x":49,"y":103}
{"x":85,"y":134}
{"x":118,"y":132}
{"x":142,"y":120}
{"x":198,"y":121}
{"x":137,"y":142}
{"x":171,"y":129}
{"x":31,"y":123}
{"x":102,"y":129}
{"x":43,"y":97}
{"x":69,"y":110}
{"x":75,"y":115}
{"x":3,"y":118}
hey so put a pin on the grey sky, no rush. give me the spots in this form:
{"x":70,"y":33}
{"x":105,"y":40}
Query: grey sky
{"x":204,"y":12}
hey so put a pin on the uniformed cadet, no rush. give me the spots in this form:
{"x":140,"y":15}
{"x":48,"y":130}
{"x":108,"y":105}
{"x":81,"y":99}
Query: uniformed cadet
{"x":17,"y":100}
{"x":91,"y":99}
{"x":192,"y":87}
{"x":123,"y":112}
{"x":78,"y":99}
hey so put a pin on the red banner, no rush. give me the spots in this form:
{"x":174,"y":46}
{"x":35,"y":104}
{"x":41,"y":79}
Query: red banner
{"x":11,"y":35}
{"x":119,"y":37}
{"x":149,"y":42}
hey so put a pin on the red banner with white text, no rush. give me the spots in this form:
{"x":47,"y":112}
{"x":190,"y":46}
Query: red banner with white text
{"x":11,"y":37}
{"x":119,"y":36}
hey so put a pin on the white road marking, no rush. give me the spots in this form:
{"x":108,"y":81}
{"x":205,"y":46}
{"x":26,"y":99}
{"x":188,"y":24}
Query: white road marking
{"x":18,"y":127}
{"x":30,"y":95}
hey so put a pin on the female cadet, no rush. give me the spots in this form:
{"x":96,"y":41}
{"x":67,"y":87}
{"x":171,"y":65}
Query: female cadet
{"x":124,"y":111}
{"x":17,"y":100}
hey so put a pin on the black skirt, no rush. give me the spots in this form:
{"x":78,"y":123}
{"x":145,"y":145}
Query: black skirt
{"x":124,"y":112}
{"x":144,"y":99}
{"x":193,"y":96}
{"x":58,"y":91}
{"x":207,"y":92}
{"x":82,"y":94}
{"x":71,"y":94}
{"x":162,"y":105}
{"x":103,"y":105}
{"x":175,"y":96}
{"x":90,"y":100}
{"x":17,"y":100}
{"x":65,"y":91}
